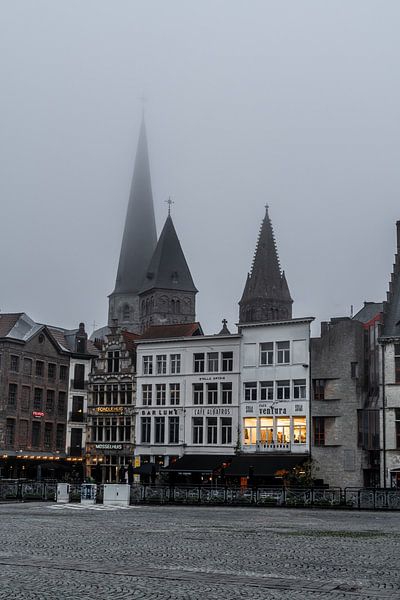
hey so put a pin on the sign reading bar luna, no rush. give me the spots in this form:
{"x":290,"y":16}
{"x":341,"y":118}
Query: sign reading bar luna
{"x":109,"y":409}
{"x":108,"y":446}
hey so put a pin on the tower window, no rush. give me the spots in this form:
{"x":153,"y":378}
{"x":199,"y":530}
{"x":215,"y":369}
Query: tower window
{"x":126,"y":312}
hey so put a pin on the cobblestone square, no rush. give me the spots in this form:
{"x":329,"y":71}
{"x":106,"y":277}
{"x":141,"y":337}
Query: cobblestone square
{"x":190,"y":553}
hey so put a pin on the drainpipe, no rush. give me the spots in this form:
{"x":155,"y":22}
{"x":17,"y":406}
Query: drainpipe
{"x":384,"y":415}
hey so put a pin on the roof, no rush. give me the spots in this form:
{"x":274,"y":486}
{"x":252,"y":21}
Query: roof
{"x":140,"y":235}
{"x":369,"y":311}
{"x":168,"y":269}
{"x":66,"y":338}
{"x":295,"y":321}
{"x":7,"y":322}
{"x":391,"y":308}
{"x":263,"y":465}
{"x":172,"y":331}
{"x":130,"y":339}
{"x":198,"y":463}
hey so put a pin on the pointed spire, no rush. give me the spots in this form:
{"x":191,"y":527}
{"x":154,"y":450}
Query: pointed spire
{"x":224,"y":330}
{"x":266,"y":295}
{"x":391,"y":311}
{"x":168,"y":268}
{"x":140,"y":236}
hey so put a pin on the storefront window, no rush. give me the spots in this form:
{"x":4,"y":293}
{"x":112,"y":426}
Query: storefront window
{"x":266,"y":430}
{"x":250,"y":431}
{"x":283,"y":430}
{"x":299,"y":430}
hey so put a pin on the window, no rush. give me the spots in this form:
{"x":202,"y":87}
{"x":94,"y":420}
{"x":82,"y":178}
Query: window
{"x":198,"y":363}
{"x":25,"y":398}
{"x":299,"y":389}
{"x":212,"y":393}
{"x":174,"y":393}
{"x":27,"y":366}
{"x":283,"y":353}
{"x":226,"y":430}
{"x":397,"y":362}
{"x":197,"y":430}
{"x":113,"y":359}
{"x":198,"y":393}
{"x":36,"y":427}
{"x":175,"y":363}
{"x":212,"y":430}
{"x":145,"y":429}
{"x":161,"y":364}
{"x":60,"y":437}
{"x":39,"y":369}
{"x":14,"y":364}
{"x":63,"y":372}
{"x":126,"y":312}
{"x":147,"y":394}
{"x":48,"y":435}
{"x":227,"y":361}
{"x":283,"y":430}
{"x":51,"y":371}
{"x":267,"y":390}
{"x":160,"y":394}
{"x":226,"y":389}
{"x":23,"y":433}
{"x":147,"y":365}
{"x":212,"y":362}
{"x":319,"y":431}
{"x":319,"y":389}
{"x":283,"y":390}
{"x":173,"y":430}
{"x":37,"y":399}
{"x":299,"y":430}
{"x":62,"y":404}
{"x":115,"y":394}
{"x":10,"y":432}
{"x":250,"y":391}
{"x":267,"y":353}
{"x":50,"y":401}
{"x":159,"y":423}
{"x":79,"y":376}
{"x":397,"y":426}
{"x":354,"y":370}
{"x":12,"y":395}
{"x":266,"y":430}
{"x":250,"y":431}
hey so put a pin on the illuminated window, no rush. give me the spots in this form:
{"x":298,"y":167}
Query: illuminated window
{"x":299,"y":430}
{"x":250,"y":431}
{"x":283,"y":430}
{"x":266,"y":430}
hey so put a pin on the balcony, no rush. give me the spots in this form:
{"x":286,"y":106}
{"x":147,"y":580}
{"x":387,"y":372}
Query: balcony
{"x":77,"y":417}
{"x":273,"y":447}
{"x":75,"y":451}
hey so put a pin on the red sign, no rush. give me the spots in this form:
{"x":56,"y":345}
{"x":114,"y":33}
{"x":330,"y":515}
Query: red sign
{"x":38,"y":414}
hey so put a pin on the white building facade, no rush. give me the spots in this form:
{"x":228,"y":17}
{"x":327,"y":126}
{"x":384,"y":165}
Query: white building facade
{"x":275,"y":387}
{"x":187,"y":397}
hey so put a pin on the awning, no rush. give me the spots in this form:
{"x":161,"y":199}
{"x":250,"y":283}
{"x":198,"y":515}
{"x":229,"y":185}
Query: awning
{"x":147,"y":469}
{"x":262,"y":465}
{"x":198,"y":463}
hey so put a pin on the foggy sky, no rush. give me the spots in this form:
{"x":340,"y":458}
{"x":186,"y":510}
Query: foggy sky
{"x":291,"y":103}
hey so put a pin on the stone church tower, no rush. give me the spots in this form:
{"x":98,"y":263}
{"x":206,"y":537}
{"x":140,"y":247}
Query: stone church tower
{"x":138,"y":244}
{"x":168,"y":294}
{"x":266,"y":295}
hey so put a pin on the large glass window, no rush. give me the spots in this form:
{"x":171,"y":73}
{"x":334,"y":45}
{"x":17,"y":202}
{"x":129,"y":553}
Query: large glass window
{"x":226,"y":392}
{"x":283,"y":353}
{"x":226,"y":430}
{"x":161,"y":364}
{"x":227,"y":361}
{"x":198,"y":393}
{"x":145,"y":427}
{"x":212,"y":393}
{"x":161,"y":393}
{"x":283,"y":430}
{"x":175,"y":363}
{"x":159,"y":423}
{"x":299,"y":389}
{"x":299,"y":430}
{"x":212,"y":430}
{"x":147,"y":394}
{"x":197,"y":430}
{"x":174,"y":393}
{"x":212,"y":362}
{"x":147,"y":365}
{"x":198,"y":363}
{"x":250,"y":391}
{"x":267,"y":390}
{"x":283,"y":389}
{"x":173,"y":428}
{"x":267,"y":353}
{"x":12,"y":395}
{"x":266,"y":430}
{"x":250,"y":431}
{"x":113,"y":361}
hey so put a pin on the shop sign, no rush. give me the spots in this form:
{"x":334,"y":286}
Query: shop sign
{"x":109,"y":409}
{"x":212,"y":411}
{"x":159,"y":411}
{"x":272,"y":410}
{"x":213,"y":378}
{"x":37,"y":414}
{"x":108,"y":446}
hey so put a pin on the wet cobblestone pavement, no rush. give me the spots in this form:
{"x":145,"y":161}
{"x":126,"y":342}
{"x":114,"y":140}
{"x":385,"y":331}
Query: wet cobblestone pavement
{"x":191,"y":553}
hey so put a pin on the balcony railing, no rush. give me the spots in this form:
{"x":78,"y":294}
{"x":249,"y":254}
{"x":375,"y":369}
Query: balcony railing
{"x":77,"y":417}
{"x":273,"y":446}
